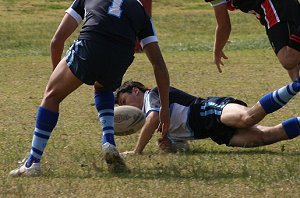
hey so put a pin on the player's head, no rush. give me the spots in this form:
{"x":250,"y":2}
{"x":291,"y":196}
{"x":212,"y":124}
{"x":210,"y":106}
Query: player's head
{"x":130,"y":93}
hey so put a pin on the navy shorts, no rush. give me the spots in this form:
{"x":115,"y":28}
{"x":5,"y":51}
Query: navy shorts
{"x":104,"y":62}
{"x":205,"y":119}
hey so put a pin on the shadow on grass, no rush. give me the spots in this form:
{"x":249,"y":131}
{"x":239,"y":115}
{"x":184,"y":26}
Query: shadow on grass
{"x":184,"y":167}
{"x":153,"y":170}
{"x":161,"y":173}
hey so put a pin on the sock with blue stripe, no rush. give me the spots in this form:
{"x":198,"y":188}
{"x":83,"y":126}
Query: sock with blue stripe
{"x":292,"y":127}
{"x":45,"y":122}
{"x":277,"y":99}
{"x":104,"y":101}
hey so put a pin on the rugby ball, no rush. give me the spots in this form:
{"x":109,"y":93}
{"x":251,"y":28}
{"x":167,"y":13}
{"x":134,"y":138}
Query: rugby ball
{"x":128,"y":120}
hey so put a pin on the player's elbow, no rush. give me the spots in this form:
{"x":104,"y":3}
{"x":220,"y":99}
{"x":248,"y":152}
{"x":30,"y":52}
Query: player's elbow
{"x":56,"y":43}
{"x":152,"y":119}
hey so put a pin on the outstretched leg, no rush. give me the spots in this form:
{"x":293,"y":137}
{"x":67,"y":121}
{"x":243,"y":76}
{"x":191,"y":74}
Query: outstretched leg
{"x":61,"y":83}
{"x":261,"y":135}
{"x":238,"y":116}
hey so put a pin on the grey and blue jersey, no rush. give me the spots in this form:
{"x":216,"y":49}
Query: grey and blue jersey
{"x":179,"y":110}
{"x":193,"y":117}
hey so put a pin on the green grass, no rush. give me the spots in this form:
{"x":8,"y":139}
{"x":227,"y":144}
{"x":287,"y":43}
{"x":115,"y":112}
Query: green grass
{"x":72,"y":164}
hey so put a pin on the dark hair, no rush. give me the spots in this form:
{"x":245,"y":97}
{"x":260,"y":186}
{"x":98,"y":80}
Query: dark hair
{"x":127,"y":86}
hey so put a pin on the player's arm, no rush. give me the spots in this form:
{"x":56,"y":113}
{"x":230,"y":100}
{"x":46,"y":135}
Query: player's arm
{"x":222,"y":33}
{"x":64,"y":30}
{"x":151,"y":124}
{"x":149,"y":42}
{"x":154,"y":55}
{"x":73,"y":17}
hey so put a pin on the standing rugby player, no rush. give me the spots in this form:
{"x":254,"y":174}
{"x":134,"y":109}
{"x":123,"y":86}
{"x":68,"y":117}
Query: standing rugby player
{"x":101,"y":55}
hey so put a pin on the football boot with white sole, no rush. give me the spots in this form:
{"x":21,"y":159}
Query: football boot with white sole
{"x":32,"y":171}
{"x":114,"y":161}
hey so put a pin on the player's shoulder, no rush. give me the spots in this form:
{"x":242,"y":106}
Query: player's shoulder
{"x":152,"y":94}
{"x":151,"y":100}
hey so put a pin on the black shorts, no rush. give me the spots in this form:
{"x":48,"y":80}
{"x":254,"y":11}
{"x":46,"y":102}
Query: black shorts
{"x":281,"y":18}
{"x":279,"y":35}
{"x":104,"y":62}
{"x":205,"y":119}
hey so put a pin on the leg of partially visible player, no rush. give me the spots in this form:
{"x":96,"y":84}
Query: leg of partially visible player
{"x":62,"y":82}
{"x":289,"y":56}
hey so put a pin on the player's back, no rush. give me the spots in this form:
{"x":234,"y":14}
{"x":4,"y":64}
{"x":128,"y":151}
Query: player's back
{"x":119,"y":20}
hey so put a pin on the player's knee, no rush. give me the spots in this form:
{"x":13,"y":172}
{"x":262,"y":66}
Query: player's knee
{"x":288,"y":64}
{"x":98,"y":87}
{"x":260,"y":140}
{"x":51,"y":97}
{"x":287,"y":59}
{"x":247,"y":121}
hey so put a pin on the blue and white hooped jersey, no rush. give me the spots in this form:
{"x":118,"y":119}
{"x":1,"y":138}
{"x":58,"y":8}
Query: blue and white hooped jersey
{"x":179,"y":111}
{"x":121,"y":21}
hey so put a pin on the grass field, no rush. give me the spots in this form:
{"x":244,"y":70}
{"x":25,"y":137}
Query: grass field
{"x":72,"y":164}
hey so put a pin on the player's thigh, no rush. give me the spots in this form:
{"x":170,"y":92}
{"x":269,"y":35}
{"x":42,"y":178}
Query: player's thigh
{"x":233,"y":114}
{"x":62,"y":82}
{"x":239,"y":116}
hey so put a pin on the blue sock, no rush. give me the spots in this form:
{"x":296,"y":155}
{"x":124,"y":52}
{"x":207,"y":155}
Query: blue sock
{"x":277,"y":99}
{"x":45,"y":122}
{"x":105,"y":103}
{"x":292,"y":127}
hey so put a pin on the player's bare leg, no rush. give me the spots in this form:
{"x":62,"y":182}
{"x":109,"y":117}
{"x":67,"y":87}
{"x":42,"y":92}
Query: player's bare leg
{"x":238,"y":116}
{"x":290,"y":59}
{"x":61,"y":83}
{"x":258,"y":136}
{"x":261,"y":135}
